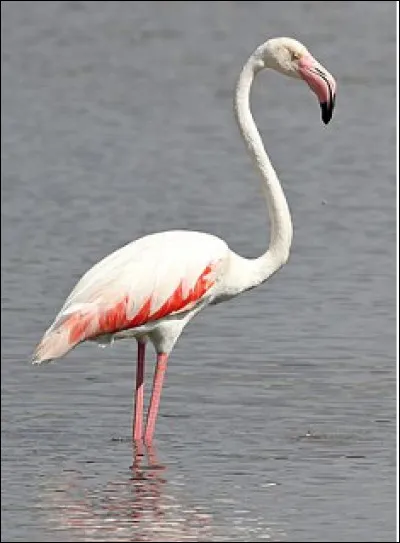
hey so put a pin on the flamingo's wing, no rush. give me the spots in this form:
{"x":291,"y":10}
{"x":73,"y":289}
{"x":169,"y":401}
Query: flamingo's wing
{"x":148,"y":279}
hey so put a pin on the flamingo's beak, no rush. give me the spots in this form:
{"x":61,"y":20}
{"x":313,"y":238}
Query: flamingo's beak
{"x":321,"y":82}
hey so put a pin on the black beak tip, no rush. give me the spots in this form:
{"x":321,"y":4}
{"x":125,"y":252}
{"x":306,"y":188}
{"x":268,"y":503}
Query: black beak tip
{"x":327,"y":111}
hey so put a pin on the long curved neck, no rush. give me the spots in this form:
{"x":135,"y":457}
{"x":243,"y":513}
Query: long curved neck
{"x":281,"y":230}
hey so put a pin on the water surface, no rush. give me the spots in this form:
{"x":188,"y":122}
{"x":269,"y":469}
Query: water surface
{"x":278,"y":414}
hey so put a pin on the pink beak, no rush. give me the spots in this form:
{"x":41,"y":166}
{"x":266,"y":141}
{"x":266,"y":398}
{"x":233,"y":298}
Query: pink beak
{"x":321,"y":82}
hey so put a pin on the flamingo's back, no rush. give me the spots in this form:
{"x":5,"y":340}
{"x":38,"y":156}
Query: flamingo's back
{"x":154,"y":277}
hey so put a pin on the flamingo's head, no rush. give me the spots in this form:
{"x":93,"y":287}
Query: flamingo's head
{"x":292,"y":58}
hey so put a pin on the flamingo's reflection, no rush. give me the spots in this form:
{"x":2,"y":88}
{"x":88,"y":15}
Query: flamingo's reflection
{"x":143,"y":507}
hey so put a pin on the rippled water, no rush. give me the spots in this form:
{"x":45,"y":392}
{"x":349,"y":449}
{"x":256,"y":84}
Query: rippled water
{"x":278,"y":414}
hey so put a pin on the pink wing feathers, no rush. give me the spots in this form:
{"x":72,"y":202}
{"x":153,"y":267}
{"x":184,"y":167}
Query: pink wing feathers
{"x":151,"y":278}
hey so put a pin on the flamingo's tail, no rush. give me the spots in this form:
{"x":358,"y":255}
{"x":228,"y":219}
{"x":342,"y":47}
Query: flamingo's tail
{"x":67,"y":331}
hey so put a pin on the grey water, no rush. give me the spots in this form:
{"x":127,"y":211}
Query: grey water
{"x":278,"y":416}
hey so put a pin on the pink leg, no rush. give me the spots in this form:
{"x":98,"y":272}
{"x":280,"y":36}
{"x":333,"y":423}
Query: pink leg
{"x":162,"y":360}
{"x":137,"y":429}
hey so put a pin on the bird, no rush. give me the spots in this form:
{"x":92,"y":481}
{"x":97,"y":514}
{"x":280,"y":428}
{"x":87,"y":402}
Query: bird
{"x":151,"y":288}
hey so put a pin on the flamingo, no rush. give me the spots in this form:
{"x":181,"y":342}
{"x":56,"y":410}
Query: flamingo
{"x":152,"y":287}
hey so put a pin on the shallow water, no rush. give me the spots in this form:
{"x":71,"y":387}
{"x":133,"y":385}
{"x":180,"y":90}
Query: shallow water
{"x":278,"y":414}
